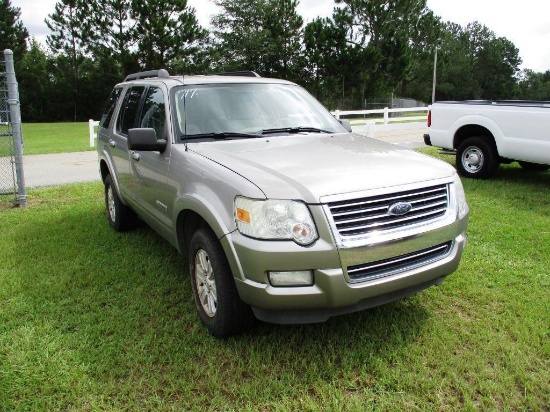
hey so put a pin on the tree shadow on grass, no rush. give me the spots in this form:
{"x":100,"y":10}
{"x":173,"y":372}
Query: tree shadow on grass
{"x":515,"y":174}
{"x":513,"y":188}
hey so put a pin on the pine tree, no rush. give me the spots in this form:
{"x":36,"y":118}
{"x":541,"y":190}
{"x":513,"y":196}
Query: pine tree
{"x":13,"y":35}
{"x":67,"y":39}
{"x":260,"y":35}
{"x":165,"y":30}
{"x":111,"y":34}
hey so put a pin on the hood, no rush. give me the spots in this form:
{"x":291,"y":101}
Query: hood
{"x":311,"y":166}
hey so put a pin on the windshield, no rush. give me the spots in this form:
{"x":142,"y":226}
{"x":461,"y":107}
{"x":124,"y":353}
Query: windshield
{"x":250,"y":109}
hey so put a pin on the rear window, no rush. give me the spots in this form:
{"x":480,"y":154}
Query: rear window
{"x":129,"y":110}
{"x":110,"y":108}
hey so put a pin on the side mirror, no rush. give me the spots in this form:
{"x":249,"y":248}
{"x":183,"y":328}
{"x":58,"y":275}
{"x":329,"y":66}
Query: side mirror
{"x":145,"y":139}
{"x":346,"y":124}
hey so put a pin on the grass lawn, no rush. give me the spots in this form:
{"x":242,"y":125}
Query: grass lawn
{"x":95,"y":320}
{"x":41,"y":138}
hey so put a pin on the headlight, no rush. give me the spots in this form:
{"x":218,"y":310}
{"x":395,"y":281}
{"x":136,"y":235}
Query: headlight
{"x":460,"y":197}
{"x":275,"y":219}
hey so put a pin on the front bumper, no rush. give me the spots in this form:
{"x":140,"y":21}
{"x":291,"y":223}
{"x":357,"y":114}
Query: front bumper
{"x":427,"y":140}
{"x":333,"y":293}
{"x":351,"y":272}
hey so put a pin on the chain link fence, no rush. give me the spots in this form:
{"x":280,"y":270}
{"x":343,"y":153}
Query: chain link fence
{"x":7,"y":160}
{"x":11,"y":139}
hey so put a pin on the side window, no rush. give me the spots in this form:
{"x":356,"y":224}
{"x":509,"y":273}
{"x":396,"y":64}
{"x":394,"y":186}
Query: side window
{"x":130,"y":106}
{"x":153,"y":114}
{"x":109,"y":110}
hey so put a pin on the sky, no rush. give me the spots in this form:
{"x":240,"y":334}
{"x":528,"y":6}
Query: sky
{"x":525,"y":23}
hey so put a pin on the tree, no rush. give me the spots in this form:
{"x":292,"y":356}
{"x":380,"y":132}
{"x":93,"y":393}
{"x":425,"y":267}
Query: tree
{"x":262,"y":35}
{"x":13,"y":35}
{"x":384,"y":28}
{"x":334,"y":61}
{"x":534,"y":86}
{"x":455,"y":75}
{"x":475,"y":64}
{"x":112,"y":35}
{"x":34,"y":84}
{"x":67,"y":38}
{"x":324,"y":47}
{"x":240,"y":34}
{"x":165,"y":30}
{"x":284,"y":25}
{"x":496,"y":62}
{"x":423,"y":42}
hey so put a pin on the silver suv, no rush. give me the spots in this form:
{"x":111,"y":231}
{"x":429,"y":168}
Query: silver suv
{"x":285,"y":215}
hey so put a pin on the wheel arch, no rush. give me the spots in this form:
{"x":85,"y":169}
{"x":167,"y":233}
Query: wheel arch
{"x":472,"y":130}
{"x":193,"y":213}
{"x":187,"y":222}
{"x":106,"y":168}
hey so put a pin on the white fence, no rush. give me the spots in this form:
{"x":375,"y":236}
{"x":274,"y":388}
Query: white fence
{"x":92,"y":124}
{"x":385,"y":123}
{"x":385,"y":113}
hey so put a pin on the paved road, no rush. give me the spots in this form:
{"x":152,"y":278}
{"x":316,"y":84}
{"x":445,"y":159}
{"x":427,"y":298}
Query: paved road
{"x":60,"y":168}
{"x":410,"y":139}
{"x":65,"y":168}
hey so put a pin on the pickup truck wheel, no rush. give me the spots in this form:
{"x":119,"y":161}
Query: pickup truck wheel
{"x":477,"y":158}
{"x":216,"y":298}
{"x":534,"y":167}
{"x":120,"y":216}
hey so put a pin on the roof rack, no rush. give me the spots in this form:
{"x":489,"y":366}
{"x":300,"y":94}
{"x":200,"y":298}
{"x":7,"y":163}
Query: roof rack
{"x":162,"y":74}
{"x":244,"y":73}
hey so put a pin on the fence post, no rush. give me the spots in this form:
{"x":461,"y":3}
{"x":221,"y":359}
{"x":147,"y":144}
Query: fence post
{"x":386,"y":115}
{"x":15,"y":120}
{"x":91,"y":130}
{"x":371,"y":129}
{"x":337,"y":114}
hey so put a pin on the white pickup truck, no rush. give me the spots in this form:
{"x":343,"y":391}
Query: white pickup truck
{"x":482,"y":134}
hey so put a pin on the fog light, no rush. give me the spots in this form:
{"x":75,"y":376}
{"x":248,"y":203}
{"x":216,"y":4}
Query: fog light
{"x":291,"y":278}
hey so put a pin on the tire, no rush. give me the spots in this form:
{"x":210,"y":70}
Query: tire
{"x":534,"y":167}
{"x":120,"y":216}
{"x":477,"y":157}
{"x":216,"y":298}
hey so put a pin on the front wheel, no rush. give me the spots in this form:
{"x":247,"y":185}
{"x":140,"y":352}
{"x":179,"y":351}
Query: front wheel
{"x":477,"y":157}
{"x":534,"y":167}
{"x":216,"y":298}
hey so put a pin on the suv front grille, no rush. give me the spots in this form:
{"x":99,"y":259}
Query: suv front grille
{"x":387,"y":267}
{"x":361,"y":216}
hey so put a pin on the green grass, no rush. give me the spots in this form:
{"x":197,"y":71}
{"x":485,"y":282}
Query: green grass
{"x":95,"y":320}
{"x":42,"y":138}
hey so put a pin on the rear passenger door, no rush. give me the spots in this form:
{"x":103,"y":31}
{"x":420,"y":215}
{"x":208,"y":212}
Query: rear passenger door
{"x":105,"y":125}
{"x":150,"y":169}
{"x":118,"y":142}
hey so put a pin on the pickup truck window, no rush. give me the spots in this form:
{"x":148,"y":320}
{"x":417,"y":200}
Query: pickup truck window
{"x":130,"y":106}
{"x":249,"y":109}
{"x":153,"y":114}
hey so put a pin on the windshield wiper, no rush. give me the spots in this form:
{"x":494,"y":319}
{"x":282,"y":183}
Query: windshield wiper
{"x":296,"y":129}
{"x":217,"y":135}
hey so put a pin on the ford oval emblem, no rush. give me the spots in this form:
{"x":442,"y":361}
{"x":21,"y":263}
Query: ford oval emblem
{"x":399,"y":208}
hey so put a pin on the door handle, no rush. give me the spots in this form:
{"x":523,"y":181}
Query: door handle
{"x":135,"y":155}
{"x":112,"y":143}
